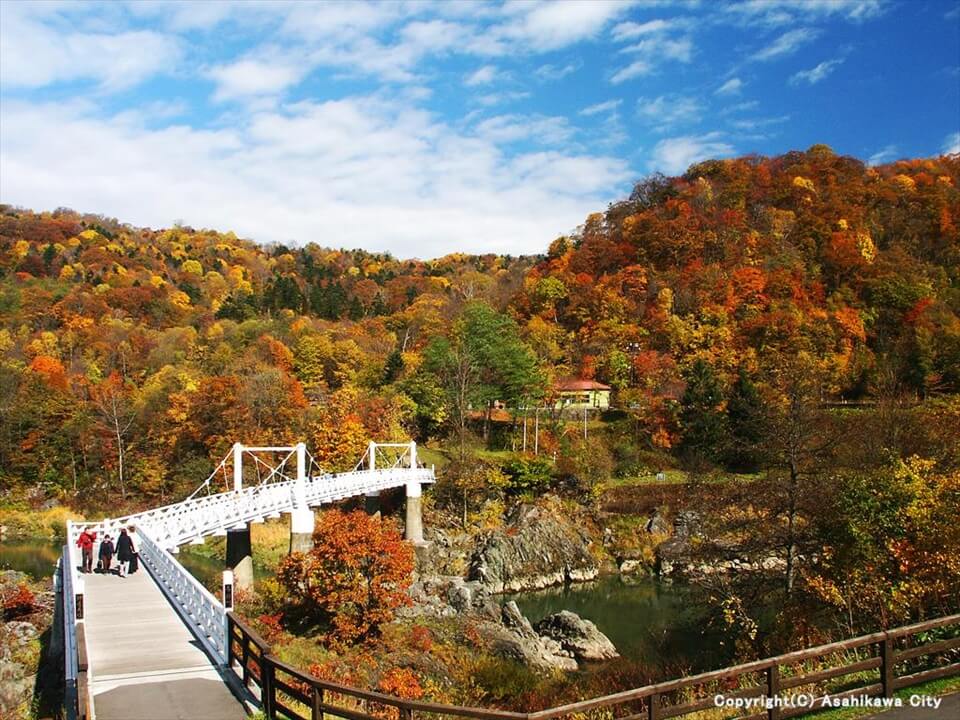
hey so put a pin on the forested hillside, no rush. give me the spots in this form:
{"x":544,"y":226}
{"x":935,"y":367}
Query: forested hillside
{"x":131,"y":358}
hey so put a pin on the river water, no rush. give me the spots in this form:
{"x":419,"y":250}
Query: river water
{"x":663,"y":625}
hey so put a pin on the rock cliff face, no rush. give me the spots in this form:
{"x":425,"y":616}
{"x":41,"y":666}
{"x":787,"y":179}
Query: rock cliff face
{"x":535,"y":550}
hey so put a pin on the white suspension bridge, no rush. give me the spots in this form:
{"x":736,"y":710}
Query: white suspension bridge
{"x":154,"y":645}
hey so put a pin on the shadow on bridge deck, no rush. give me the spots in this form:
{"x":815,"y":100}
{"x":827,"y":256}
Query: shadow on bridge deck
{"x":145,"y":663}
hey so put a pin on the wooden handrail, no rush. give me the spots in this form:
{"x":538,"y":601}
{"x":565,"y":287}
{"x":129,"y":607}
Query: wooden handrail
{"x":771,"y":682}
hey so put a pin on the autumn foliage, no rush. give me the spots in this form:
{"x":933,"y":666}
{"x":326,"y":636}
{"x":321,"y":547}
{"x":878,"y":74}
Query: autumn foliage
{"x":352,"y":581}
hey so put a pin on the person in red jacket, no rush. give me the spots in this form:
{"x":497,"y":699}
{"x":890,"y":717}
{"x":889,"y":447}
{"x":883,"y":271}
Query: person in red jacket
{"x":85,"y":543}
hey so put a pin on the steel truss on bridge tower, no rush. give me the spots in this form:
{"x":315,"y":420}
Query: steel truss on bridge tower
{"x":207,"y":513}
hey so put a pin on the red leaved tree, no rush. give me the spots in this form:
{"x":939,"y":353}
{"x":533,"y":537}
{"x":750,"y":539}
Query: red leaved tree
{"x":352,"y":581}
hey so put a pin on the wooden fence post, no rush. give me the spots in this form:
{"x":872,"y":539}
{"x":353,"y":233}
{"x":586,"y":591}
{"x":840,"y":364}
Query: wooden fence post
{"x":653,"y":707}
{"x":266,"y":686}
{"x":887,"y":666}
{"x":317,"y":711}
{"x":773,"y":692}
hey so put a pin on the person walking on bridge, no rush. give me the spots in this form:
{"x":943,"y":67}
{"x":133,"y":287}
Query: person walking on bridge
{"x":106,"y":553}
{"x":85,"y":543}
{"x":124,"y":552}
{"x":134,"y":549}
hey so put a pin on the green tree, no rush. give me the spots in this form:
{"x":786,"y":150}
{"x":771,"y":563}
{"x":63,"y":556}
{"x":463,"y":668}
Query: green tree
{"x":483,"y":360}
{"x":702,"y":418}
{"x":745,"y":424}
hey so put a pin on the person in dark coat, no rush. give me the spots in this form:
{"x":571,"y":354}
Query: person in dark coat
{"x":106,"y":553}
{"x":135,"y":548}
{"x":124,"y":553}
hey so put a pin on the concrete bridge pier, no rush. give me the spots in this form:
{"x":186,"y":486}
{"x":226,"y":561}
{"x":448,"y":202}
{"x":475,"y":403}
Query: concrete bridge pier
{"x":301,"y":517}
{"x":301,"y":530}
{"x":240,"y":557}
{"x":371,"y":503}
{"x":414,"y":525}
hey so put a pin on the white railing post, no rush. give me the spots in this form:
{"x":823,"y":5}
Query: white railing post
{"x":237,"y":467}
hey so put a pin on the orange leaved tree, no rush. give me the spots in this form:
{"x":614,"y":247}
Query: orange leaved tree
{"x":352,"y":581}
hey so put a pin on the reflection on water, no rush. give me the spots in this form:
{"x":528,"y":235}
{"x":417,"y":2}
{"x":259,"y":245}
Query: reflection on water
{"x":36,"y":558}
{"x":663,"y":625}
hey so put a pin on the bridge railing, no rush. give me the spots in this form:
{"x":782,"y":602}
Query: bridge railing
{"x":199,"y":609}
{"x":774,"y":685}
{"x":175,"y":524}
{"x":69,"y":583}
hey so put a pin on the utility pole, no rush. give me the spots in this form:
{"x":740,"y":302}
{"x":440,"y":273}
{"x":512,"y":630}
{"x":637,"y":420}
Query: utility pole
{"x":536,"y":431}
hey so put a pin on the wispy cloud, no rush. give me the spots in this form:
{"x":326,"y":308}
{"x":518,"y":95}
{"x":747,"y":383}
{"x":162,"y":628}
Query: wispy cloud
{"x":499,"y":98}
{"x":774,"y":13}
{"x":759,"y":123}
{"x":674,"y":155}
{"x":816,"y":74}
{"x":603,"y":107}
{"x":733,"y":86}
{"x":786,"y":44}
{"x":665,"y":112}
{"x":633,"y":30}
{"x":650,"y":53}
{"x":883,"y":155}
{"x":951,"y":144}
{"x":540,"y":129}
{"x":481,"y":76}
{"x":555,"y":72}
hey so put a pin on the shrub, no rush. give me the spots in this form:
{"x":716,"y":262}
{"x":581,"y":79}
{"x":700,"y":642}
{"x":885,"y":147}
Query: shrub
{"x":353,"y":579}
{"x":528,"y":474}
{"x":20,"y":603}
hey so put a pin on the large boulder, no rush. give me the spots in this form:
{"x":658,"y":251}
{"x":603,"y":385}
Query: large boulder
{"x":577,"y":636}
{"x":536,"y":549}
{"x":515,"y":638}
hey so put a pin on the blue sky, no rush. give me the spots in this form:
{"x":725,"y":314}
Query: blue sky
{"x":424,"y":128}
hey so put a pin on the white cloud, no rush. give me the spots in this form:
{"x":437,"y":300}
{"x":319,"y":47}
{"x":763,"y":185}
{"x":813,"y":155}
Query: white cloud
{"x":816,"y":74}
{"x":251,"y":78}
{"x":365,"y":172}
{"x":665,"y":112}
{"x":603,"y":107}
{"x":631,"y":30}
{"x":786,"y":44}
{"x":951,"y":144}
{"x":546,"y":26}
{"x":674,"y":155}
{"x":733,"y":86}
{"x":499,"y":98}
{"x":883,"y":156}
{"x":481,"y":76}
{"x":37,"y":50}
{"x":786,"y":12}
{"x":650,"y":54}
{"x":537,"y":128}
{"x":758,"y":123}
{"x":555,"y":72}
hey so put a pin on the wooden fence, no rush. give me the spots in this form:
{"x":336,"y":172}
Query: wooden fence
{"x":927,"y":651}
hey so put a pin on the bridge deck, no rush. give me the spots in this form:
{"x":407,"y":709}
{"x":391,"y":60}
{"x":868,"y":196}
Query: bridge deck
{"x":144,"y":662}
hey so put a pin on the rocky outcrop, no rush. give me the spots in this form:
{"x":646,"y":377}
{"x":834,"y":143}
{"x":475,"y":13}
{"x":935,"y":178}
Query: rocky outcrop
{"x":579,"y":637}
{"x":677,"y":557}
{"x":514,"y":638}
{"x":536,"y":549}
